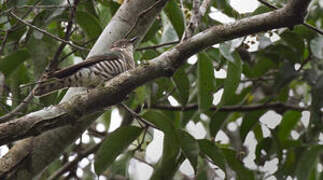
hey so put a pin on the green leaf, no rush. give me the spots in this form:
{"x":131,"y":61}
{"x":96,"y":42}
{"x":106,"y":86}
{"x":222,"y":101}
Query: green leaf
{"x":182,"y":85}
{"x":233,"y":78}
{"x":190,"y":147}
{"x":213,"y":152}
{"x":288,"y":122}
{"x":160,"y":120}
{"x":263,"y":65}
{"x":120,"y":167}
{"x":41,"y":52}
{"x":266,"y":145}
{"x":225,"y":7}
{"x":152,"y":31}
{"x":114,"y":145}
{"x":227,"y":50}
{"x":308,"y":162}
{"x":317,"y":47}
{"x":285,"y":75}
{"x":295,"y":42}
{"x":237,"y":165}
{"x":167,"y":166}
{"x":89,"y":24}
{"x":140,"y":97}
{"x":217,"y":121}
{"x":205,"y":75}
{"x":106,"y":118}
{"x":9,"y":63}
{"x":169,"y":33}
{"x":175,"y":15}
{"x":250,"y":119}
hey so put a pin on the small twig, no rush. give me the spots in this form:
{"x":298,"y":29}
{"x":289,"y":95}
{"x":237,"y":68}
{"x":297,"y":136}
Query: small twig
{"x":4,"y":108}
{"x":19,"y":108}
{"x":11,"y":98}
{"x":257,"y":79}
{"x":3,"y":43}
{"x":47,"y":33}
{"x":141,"y":142}
{"x":183,"y":12}
{"x":304,"y":23}
{"x":42,"y":6}
{"x":30,"y":10}
{"x":240,"y":108}
{"x":204,"y":6}
{"x":140,"y":15}
{"x":73,"y":51}
{"x":267,"y":4}
{"x":157,"y":46}
{"x":143,"y":161}
{"x":66,"y":167}
{"x":35,"y":83}
{"x":194,"y":22}
{"x":55,"y":61}
{"x":304,"y":63}
{"x":134,"y":114}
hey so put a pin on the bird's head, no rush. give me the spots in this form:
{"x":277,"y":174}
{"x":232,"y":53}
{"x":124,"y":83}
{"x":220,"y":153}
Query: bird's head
{"x":124,"y":45}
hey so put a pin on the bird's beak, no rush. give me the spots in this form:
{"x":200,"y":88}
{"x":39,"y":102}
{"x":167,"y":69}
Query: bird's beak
{"x":132,"y":40}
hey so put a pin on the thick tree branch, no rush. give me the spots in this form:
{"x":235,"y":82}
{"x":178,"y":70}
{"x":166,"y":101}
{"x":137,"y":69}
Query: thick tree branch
{"x":49,"y":145}
{"x":304,"y":23}
{"x":89,"y":104}
{"x":164,"y":65}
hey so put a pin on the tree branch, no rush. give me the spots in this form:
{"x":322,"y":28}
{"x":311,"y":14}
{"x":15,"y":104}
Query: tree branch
{"x":304,"y":23}
{"x":47,"y":33}
{"x":17,"y":109}
{"x":164,"y":65}
{"x":70,"y":164}
{"x":55,"y":61}
{"x":239,"y":108}
{"x":49,"y":145}
{"x":86,"y":106}
{"x":157,"y":46}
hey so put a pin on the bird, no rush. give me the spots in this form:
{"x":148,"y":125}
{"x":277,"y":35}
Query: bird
{"x":91,"y":72}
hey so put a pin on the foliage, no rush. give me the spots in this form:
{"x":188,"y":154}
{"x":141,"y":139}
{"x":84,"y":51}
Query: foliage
{"x":284,"y":72}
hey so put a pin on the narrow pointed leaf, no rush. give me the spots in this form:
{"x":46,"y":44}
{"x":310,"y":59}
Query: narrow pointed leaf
{"x":288,"y":122}
{"x":213,"y":152}
{"x":89,"y":24}
{"x":175,"y":15}
{"x":9,"y":63}
{"x":307,"y":162}
{"x":236,"y":165}
{"x":182,"y":85}
{"x":205,"y":82}
{"x":233,"y":78}
{"x":114,"y":145}
{"x":167,"y":166}
{"x":190,"y":148}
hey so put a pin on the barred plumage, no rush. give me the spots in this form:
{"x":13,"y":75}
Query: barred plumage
{"x":91,"y":72}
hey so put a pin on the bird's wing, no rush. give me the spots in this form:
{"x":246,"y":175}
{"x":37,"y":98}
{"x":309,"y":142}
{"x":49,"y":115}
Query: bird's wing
{"x":88,"y":62}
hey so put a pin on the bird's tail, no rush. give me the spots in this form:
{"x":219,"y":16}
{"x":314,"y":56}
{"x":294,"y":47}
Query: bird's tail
{"x":45,"y":88}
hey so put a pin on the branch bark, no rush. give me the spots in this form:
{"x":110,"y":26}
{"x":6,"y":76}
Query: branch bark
{"x":22,"y":162}
{"x":87,"y":106}
{"x":234,"y":108}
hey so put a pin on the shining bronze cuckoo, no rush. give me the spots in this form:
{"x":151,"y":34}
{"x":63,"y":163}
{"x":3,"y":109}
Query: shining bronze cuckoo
{"x":91,"y":72}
